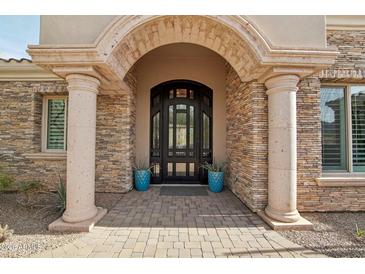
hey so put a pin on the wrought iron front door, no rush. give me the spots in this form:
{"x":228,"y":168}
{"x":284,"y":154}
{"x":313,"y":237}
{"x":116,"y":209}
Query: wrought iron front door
{"x":181,"y":131}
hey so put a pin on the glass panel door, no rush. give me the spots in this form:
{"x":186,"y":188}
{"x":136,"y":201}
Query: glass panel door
{"x":181,"y":155}
{"x":181,"y":131}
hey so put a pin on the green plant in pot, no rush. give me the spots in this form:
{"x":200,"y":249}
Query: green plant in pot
{"x":142,"y":176}
{"x":215,"y":175}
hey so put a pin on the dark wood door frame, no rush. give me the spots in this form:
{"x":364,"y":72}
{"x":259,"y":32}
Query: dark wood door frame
{"x":167,"y":100}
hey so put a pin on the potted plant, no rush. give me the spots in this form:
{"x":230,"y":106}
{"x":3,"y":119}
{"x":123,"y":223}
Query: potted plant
{"x":215,"y":175}
{"x":142,"y":176}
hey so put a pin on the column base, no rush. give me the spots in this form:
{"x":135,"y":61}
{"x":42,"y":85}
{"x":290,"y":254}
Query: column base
{"x":86,"y":214}
{"x":300,"y":224}
{"x":60,"y":225}
{"x":285,"y":217}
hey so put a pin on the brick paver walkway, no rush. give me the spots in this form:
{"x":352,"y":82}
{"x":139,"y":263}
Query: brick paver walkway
{"x":145,"y":224}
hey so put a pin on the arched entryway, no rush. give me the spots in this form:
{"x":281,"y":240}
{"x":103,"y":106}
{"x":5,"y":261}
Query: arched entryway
{"x":106,"y":67}
{"x":181,"y":131}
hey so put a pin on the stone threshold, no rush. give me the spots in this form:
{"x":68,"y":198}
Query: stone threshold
{"x":301,"y":224}
{"x":60,"y":225}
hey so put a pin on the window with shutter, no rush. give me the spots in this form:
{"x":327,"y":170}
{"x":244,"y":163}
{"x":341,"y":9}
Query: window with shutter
{"x":358,"y":127}
{"x":343,"y":128}
{"x":333,"y":119}
{"x":55,"y":116}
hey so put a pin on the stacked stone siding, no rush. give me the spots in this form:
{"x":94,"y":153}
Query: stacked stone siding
{"x":348,"y":68}
{"x":259,"y":143}
{"x":131,"y":81}
{"x":312,"y":197}
{"x":112,"y":126}
{"x":20,"y":134}
{"x":308,"y":143}
{"x":115,"y":140}
{"x":20,"y":131}
{"x":350,"y":63}
{"x":351,"y":45}
{"x":246,"y":106}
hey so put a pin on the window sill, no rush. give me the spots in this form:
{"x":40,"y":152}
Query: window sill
{"x":340,"y":181}
{"x":52,"y":156}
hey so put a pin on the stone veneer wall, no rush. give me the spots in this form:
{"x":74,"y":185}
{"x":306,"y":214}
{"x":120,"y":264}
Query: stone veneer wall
{"x":312,"y":197}
{"x":348,"y":68}
{"x":350,"y":63}
{"x":20,"y":131}
{"x":20,"y":134}
{"x":115,"y":140}
{"x":247,"y":175}
{"x":309,"y":145}
{"x":246,"y":106}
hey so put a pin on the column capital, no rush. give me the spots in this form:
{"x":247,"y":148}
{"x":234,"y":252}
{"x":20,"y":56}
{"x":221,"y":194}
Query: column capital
{"x":81,"y":82}
{"x":282,"y":83}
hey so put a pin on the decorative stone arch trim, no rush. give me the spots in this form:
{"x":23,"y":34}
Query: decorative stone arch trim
{"x":127,"y":46}
{"x":128,"y":38}
{"x":121,"y":26}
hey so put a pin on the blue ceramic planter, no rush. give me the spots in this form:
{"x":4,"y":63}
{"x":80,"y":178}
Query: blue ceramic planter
{"x":215,"y":181}
{"x":142,"y":179}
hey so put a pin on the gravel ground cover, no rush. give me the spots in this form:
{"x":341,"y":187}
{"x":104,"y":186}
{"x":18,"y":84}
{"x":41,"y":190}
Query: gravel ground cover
{"x":334,"y":234}
{"x":30,"y":226}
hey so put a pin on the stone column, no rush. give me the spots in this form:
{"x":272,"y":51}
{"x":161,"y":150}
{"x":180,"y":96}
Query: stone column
{"x":80,"y":205}
{"x":282,"y":181}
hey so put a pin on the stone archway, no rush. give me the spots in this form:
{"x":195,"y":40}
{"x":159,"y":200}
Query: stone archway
{"x":235,"y":44}
{"x":105,"y":67}
{"x":127,"y":38}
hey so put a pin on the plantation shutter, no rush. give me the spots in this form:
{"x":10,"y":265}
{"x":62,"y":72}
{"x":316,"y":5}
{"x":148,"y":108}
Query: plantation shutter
{"x":358,"y":127}
{"x":333,"y":127}
{"x":56,"y":124}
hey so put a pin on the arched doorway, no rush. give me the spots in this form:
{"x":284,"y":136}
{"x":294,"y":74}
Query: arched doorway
{"x":181,"y":131}
{"x":107,"y":68}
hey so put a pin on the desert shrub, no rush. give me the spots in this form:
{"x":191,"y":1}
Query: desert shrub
{"x":61,"y":196}
{"x":57,"y":203}
{"x":29,"y":186}
{"x":29,"y":193}
{"x":5,"y":233}
{"x":5,"y":180}
{"x":359,"y":232}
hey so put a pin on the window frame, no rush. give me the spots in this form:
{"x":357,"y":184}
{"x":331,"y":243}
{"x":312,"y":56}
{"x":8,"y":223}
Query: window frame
{"x":348,"y":129}
{"x":45,"y":123}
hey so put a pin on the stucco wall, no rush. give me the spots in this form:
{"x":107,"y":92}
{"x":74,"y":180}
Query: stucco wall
{"x":183,"y":61}
{"x":292,"y":30}
{"x":282,"y":31}
{"x":345,"y":21}
{"x":72,"y":29}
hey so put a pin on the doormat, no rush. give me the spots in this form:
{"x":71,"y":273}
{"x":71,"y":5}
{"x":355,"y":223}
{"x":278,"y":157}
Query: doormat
{"x":183,"y":191}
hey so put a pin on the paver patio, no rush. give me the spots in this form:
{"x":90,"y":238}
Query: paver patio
{"x":145,"y":224}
